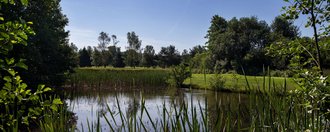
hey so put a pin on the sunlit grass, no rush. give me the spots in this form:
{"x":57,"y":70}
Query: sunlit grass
{"x":235,"y":82}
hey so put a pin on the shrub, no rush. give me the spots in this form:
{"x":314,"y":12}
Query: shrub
{"x":179,"y":74}
{"x":217,"y":82}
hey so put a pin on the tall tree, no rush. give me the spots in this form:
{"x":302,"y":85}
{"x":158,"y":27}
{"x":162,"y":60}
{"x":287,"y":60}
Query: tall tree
{"x":114,"y":40}
{"x":169,"y":56}
{"x":104,"y":41}
{"x":283,"y":31}
{"x":238,"y":42}
{"x":97,"y":57}
{"x":282,"y":27}
{"x":198,"y":49}
{"x":84,"y":58}
{"x":148,"y":56}
{"x":118,"y":60}
{"x":133,"y":50}
{"x":185,"y":56}
{"x":48,"y":56}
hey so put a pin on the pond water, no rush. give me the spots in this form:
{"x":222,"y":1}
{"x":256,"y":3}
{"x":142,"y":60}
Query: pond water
{"x":90,"y":107}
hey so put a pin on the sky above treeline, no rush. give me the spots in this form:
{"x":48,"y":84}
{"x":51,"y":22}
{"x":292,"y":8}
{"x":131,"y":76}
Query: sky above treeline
{"x":182,"y":23}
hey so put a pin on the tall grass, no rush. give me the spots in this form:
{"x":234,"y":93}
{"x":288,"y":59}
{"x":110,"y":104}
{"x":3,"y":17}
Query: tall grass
{"x":117,"y":78}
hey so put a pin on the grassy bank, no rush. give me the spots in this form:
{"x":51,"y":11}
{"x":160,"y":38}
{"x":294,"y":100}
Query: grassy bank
{"x":100,"y":77}
{"x":118,"y":77}
{"x":235,"y":82}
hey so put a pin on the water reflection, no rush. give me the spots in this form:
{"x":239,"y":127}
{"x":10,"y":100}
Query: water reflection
{"x":92,"y":105}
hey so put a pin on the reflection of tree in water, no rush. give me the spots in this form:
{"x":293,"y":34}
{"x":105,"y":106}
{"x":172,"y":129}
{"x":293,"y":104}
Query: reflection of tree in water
{"x":133,"y":105}
{"x":102,"y":105}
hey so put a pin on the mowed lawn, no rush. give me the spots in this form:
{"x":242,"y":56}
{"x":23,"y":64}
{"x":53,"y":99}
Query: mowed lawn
{"x":235,"y":82}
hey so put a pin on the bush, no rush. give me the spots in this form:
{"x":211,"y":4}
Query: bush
{"x":179,"y":74}
{"x":217,"y":82}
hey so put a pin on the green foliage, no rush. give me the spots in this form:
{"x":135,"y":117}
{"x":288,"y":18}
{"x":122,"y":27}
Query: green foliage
{"x":283,"y":28}
{"x":202,"y":62}
{"x":84,"y":58}
{"x":305,"y":58}
{"x":148,"y":59}
{"x":102,"y":48}
{"x":237,"y":43}
{"x":179,"y":74}
{"x":57,"y":121}
{"x":217,"y":82}
{"x":132,"y":58}
{"x":318,"y":19}
{"x":48,"y":55}
{"x":133,"y":52}
{"x":168,"y":56}
{"x":118,"y":60}
{"x":19,"y":105}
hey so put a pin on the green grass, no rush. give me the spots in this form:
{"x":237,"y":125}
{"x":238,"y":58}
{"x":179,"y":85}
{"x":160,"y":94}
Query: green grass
{"x":235,"y":82}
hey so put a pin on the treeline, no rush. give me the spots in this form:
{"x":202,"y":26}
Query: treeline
{"x":105,"y":55}
{"x":232,"y":45}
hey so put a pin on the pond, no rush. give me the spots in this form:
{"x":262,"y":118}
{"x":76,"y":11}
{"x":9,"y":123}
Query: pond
{"x":149,"y":109}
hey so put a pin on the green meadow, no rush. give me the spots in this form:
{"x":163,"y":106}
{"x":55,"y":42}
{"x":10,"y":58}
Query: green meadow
{"x":235,"y":82}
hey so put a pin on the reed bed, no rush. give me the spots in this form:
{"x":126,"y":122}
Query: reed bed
{"x":118,"y":78}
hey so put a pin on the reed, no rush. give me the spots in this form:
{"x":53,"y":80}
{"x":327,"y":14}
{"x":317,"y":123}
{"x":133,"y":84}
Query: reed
{"x":117,"y":78}
{"x":268,"y":111}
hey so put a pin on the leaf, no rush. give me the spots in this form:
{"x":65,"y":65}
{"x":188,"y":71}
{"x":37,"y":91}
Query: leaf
{"x":47,"y":89}
{"x":10,"y":61}
{"x":57,"y":101}
{"x":24,"y":2}
{"x":7,"y":79}
{"x":53,"y":107}
{"x":2,"y":19}
{"x":11,"y":72}
{"x":22,"y":65}
{"x":41,"y":87}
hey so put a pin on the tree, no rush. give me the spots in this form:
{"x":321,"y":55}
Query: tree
{"x":236,"y":42}
{"x":97,"y":57}
{"x":47,"y":55}
{"x":84,"y":58}
{"x":168,"y":56}
{"x":118,"y":60}
{"x":148,"y":56}
{"x":133,"y":50}
{"x":283,"y":31}
{"x":318,"y":16}
{"x":111,"y":54}
{"x":104,"y":41}
{"x":282,"y":27}
{"x":185,"y":56}
{"x":20,"y":105}
{"x":114,"y":40}
{"x":133,"y":41}
{"x":197,"y":50}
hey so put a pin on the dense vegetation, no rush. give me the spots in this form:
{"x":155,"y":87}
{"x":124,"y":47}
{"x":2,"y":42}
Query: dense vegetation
{"x":34,"y":50}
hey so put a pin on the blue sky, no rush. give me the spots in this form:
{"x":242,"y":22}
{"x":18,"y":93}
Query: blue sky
{"x":182,"y":23}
